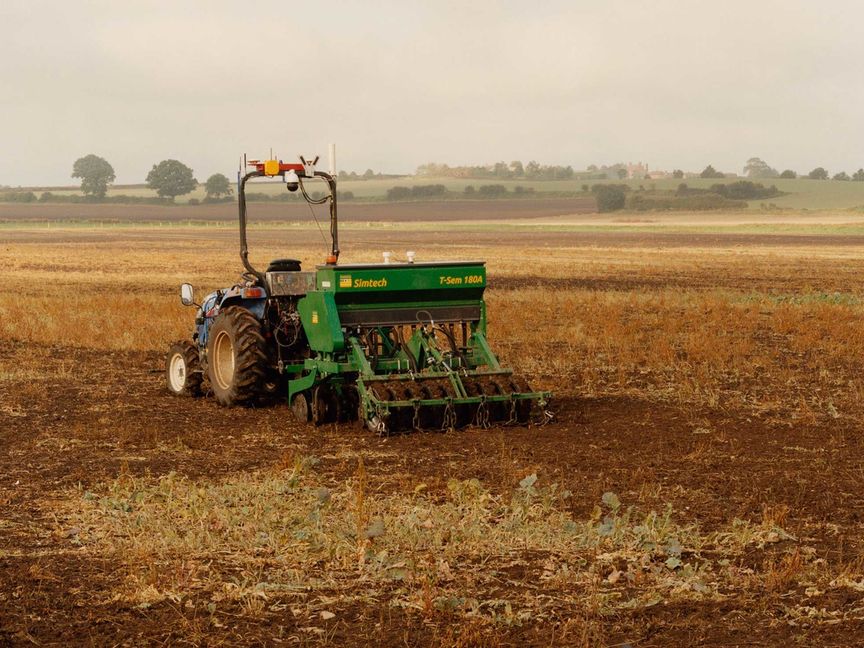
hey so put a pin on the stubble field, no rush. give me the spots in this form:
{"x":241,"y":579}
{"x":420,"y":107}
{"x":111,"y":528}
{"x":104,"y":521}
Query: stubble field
{"x":700,"y":485}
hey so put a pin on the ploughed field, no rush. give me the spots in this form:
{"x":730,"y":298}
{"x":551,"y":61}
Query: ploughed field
{"x":299,"y":211}
{"x":700,"y":485}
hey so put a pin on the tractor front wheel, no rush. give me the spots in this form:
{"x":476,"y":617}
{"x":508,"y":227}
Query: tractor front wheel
{"x":236,"y":360}
{"x":183,"y":374}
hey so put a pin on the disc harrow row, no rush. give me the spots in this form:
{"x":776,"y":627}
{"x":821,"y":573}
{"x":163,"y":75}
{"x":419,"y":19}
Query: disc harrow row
{"x":441,"y":392}
{"x":429,"y":404}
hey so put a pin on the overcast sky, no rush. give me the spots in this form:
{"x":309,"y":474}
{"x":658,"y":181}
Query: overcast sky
{"x":674,"y":83}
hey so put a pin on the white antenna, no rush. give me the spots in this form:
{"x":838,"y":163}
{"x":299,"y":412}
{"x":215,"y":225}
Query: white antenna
{"x":333,"y":160}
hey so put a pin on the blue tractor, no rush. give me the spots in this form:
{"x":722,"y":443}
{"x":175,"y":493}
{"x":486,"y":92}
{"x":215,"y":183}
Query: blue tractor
{"x":247,"y":335}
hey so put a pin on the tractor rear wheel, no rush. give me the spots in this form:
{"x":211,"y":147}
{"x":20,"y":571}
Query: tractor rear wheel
{"x":183,"y":374}
{"x":236,"y":360}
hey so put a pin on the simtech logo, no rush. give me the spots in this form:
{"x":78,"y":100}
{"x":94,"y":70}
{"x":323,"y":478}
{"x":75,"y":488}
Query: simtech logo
{"x":346,"y":281}
{"x":370,"y":283}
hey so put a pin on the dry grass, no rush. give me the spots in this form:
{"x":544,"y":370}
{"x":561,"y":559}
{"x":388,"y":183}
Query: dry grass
{"x":716,"y":348}
{"x":262,"y":536}
{"x":772,"y":352}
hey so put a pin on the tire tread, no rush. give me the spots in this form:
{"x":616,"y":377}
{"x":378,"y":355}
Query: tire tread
{"x":250,"y":360}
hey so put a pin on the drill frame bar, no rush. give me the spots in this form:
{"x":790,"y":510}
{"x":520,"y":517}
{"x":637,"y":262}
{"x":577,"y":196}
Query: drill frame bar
{"x":373,"y":406}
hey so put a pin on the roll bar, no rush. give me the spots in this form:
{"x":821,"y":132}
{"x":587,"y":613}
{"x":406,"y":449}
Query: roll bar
{"x":302,"y":171}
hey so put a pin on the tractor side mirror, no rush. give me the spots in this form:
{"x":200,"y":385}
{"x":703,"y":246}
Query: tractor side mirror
{"x":187,"y":296}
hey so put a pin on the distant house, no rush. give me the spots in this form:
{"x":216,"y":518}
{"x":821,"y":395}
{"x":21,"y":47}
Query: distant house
{"x":636,"y":171}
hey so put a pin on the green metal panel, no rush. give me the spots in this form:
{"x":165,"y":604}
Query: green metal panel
{"x":379,"y":283}
{"x":320,"y":320}
{"x":425,"y":368}
{"x":398,"y":285}
{"x":412,"y":287}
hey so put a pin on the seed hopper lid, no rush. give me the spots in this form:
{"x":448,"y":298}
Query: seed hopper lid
{"x":402,"y":264}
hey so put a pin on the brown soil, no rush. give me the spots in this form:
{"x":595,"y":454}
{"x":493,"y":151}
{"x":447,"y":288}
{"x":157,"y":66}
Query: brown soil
{"x":112,"y":413}
{"x":534,"y":242}
{"x":106,"y":412}
{"x":260,"y":212}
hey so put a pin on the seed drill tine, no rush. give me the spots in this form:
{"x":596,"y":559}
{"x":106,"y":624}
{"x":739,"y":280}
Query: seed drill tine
{"x":428,"y":343}
{"x":368,"y":408}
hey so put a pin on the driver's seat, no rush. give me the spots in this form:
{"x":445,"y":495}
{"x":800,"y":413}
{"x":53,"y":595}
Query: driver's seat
{"x":284,"y":265}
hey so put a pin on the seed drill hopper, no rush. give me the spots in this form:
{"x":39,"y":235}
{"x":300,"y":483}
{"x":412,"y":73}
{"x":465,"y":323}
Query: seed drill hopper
{"x":400,"y":346}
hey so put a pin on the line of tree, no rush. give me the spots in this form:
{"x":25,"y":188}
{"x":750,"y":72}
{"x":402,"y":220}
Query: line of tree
{"x":287,"y":196}
{"x":612,"y":197}
{"x":740,"y":190}
{"x":470,"y":191}
{"x":820,"y":173}
{"x":758,"y":168}
{"x":169,"y":179}
{"x":500,"y":170}
{"x":417,"y":191}
{"x":368,"y":174}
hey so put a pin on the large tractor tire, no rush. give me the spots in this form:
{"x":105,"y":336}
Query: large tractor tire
{"x":236,"y":360}
{"x":183,"y":375}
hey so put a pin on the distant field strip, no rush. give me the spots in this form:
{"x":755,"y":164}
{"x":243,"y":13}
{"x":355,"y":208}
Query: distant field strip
{"x":800,"y":193}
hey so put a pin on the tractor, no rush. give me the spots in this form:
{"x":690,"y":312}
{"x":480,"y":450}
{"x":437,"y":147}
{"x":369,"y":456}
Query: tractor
{"x":399,"y":346}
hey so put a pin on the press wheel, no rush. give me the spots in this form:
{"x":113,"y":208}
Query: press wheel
{"x":300,"y":407}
